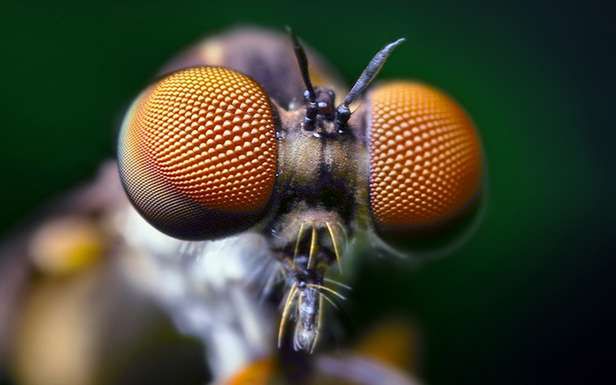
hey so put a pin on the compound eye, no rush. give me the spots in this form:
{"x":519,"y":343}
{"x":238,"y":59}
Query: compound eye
{"x":198,"y":152}
{"x":425,"y":160}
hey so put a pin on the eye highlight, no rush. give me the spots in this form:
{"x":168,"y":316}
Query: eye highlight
{"x":425,"y":157}
{"x":198,"y":153}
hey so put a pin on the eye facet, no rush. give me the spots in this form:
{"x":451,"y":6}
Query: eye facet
{"x":198,"y":153}
{"x":425,"y":158}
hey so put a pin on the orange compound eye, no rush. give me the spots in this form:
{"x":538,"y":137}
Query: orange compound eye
{"x":425,"y":158}
{"x":198,"y":153}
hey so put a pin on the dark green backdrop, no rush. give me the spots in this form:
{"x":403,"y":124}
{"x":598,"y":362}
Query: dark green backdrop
{"x":527,"y":299}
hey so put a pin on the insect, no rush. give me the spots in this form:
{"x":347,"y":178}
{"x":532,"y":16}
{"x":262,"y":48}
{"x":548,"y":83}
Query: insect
{"x":250,"y":132}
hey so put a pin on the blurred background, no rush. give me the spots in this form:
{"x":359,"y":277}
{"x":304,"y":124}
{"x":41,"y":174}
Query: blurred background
{"x":528,"y":299}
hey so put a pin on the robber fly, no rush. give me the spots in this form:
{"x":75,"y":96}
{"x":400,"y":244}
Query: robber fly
{"x":251,"y":132}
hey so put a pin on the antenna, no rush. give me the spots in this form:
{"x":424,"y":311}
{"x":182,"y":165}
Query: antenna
{"x":343,"y":113}
{"x":309,"y":94}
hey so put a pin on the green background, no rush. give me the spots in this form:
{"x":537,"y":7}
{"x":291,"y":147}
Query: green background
{"x":526,"y":299}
